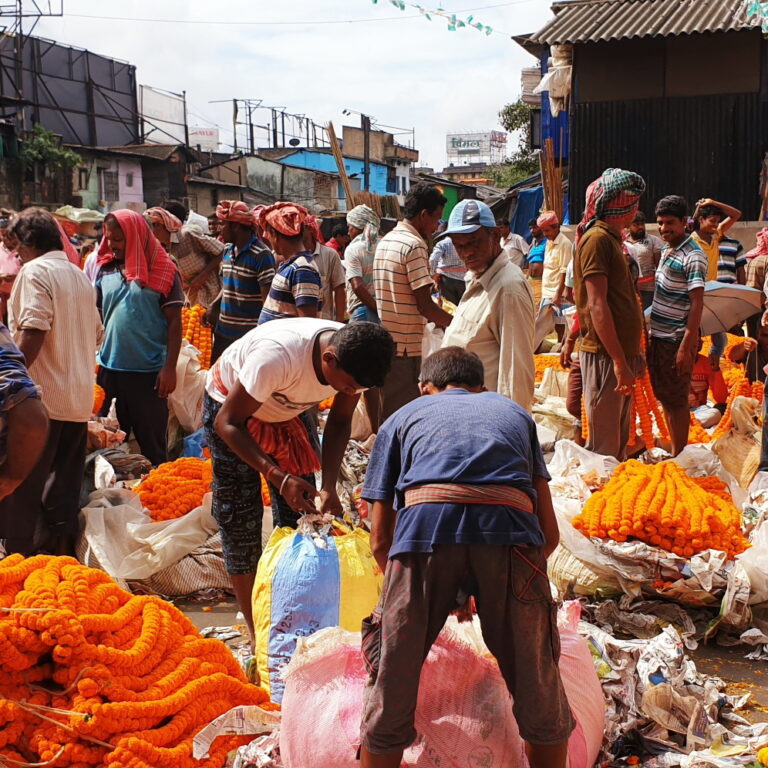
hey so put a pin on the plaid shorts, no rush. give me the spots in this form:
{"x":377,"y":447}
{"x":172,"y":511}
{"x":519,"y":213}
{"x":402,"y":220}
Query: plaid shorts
{"x":513,"y":599}
{"x":237,"y":506}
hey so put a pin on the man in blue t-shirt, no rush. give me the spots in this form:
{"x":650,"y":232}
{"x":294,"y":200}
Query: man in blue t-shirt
{"x":464,"y":512}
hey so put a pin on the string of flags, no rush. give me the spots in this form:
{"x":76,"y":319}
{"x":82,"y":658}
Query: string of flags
{"x":759,"y":8}
{"x":454,"y":21}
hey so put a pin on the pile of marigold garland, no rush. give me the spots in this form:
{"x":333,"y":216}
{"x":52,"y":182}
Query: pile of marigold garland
{"x":665,"y":507}
{"x":91,"y":675}
{"x":198,"y":335}
{"x":175,"y":488}
{"x":98,"y":398}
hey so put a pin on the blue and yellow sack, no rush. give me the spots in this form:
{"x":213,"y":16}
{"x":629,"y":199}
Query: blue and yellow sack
{"x":305,"y":583}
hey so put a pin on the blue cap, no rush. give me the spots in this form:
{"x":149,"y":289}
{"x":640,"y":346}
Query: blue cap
{"x":468,"y":216}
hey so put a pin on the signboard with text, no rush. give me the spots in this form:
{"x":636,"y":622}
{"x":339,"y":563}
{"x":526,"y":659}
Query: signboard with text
{"x":475,"y":146}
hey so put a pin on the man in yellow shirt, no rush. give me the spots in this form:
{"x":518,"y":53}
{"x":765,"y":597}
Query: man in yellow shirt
{"x":712,"y":220}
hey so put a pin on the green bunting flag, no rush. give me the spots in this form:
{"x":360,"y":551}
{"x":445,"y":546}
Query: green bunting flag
{"x":453,"y":21}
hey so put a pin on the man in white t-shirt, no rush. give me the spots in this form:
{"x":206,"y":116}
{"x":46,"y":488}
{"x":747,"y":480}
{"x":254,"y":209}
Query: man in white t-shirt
{"x":256,"y":395}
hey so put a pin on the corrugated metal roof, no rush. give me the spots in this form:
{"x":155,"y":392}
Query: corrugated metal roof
{"x":582,"y":21}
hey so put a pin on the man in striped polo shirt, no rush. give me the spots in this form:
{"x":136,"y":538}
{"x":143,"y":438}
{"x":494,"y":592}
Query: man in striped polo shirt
{"x":296,"y":286}
{"x":247,"y":269}
{"x":676,"y":317}
{"x":403,"y":288}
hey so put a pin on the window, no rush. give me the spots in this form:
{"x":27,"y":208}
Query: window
{"x":110,"y":186}
{"x":82,"y":178}
{"x":128,"y":179}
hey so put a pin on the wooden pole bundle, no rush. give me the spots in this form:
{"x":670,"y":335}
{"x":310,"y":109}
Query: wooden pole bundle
{"x":551,"y":179}
{"x":386,"y":205}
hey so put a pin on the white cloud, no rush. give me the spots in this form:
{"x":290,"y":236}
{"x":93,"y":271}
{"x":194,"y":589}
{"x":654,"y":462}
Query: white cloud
{"x":404,"y":72}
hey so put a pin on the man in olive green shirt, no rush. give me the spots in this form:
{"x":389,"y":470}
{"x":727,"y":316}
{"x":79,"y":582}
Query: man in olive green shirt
{"x":609,"y":312}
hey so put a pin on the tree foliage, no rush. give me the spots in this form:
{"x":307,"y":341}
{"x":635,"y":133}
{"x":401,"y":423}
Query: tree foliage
{"x":42,"y":146}
{"x":523,"y":162}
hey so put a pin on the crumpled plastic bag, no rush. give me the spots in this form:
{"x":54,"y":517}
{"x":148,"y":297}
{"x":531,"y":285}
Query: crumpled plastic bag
{"x":186,"y":401}
{"x":126,"y":542}
{"x":551,"y":413}
{"x":432,"y":340}
{"x":575,"y":470}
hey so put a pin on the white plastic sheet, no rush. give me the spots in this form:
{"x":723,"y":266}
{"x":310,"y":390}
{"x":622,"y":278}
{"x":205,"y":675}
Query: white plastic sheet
{"x":126,"y":542}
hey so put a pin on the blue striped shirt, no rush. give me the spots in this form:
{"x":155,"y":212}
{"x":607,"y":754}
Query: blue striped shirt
{"x":681,"y":270}
{"x":731,"y":259}
{"x":243,"y":273}
{"x":296,"y":284}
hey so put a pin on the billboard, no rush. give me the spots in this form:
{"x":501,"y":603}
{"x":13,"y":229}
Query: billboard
{"x":205,"y":138}
{"x":87,"y":99}
{"x":462,"y":144}
{"x":163,"y":116}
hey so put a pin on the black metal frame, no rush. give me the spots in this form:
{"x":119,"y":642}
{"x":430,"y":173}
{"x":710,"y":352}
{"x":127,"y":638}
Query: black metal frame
{"x":24,"y":55}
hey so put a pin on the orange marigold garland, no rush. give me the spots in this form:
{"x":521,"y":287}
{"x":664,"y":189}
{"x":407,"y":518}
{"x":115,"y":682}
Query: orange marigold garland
{"x":198,"y":335}
{"x":175,"y":488}
{"x":98,"y":398}
{"x":696,"y":432}
{"x":662,"y":506}
{"x":740,"y":387}
{"x":91,"y":675}
{"x":542,"y":362}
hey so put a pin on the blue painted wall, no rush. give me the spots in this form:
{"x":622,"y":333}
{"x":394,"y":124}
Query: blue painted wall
{"x":553,"y":127}
{"x":320,"y":161}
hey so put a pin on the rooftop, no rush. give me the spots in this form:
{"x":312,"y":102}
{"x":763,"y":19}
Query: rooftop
{"x":581,"y":21}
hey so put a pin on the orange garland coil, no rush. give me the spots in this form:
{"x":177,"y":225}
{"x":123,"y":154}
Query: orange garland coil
{"x":91,"y":675}
{"x":664,"y":507}
{"x":98,"y":398}
{"x":175,"y":488}
{"x":196,"y":333}
{"x":696,"y":432}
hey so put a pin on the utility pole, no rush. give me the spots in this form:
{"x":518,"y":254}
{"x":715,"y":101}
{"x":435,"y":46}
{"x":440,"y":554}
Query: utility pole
{"x":274,"y":128}
{"x":234,"y":124}
{"x":365,"y":123}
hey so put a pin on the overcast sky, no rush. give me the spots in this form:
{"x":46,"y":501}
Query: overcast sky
{"x":403,"y":70}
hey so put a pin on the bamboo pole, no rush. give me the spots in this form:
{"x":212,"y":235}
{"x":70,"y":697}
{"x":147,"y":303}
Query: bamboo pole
{"x":336,"y":149}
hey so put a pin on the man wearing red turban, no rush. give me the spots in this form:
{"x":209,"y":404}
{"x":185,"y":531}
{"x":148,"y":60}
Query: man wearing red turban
{"x":247,"y":269}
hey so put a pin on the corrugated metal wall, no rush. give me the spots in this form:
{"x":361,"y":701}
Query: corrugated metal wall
{"x":706,"y":146}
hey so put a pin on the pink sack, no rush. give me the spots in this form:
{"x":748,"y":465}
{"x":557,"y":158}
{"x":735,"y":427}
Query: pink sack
{"x":464,"y":713}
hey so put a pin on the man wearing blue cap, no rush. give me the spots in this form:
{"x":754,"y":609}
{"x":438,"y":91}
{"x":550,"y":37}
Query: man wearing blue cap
{"x":496,"y":316}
